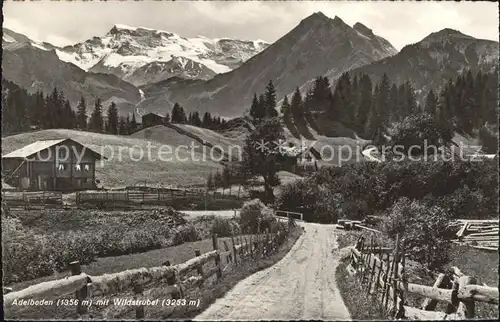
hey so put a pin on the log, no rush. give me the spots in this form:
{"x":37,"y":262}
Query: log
{"x":462,"y":230}
{"x":429,"y":304}
{"x":493,"y":233}
{"x":466,"y":307}
{"x":479,"y":293}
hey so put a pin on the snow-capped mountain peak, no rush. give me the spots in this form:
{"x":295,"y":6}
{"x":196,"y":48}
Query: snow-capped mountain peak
{"x":126,"y":49}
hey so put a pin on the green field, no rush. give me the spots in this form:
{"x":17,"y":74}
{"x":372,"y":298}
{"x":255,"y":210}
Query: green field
{"x":181,"y":168}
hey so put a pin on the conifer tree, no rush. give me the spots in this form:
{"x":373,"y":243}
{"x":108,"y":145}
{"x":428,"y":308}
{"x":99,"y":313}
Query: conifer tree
{"x":112,"y":119}
{"x":81,"y":114}
{"x":96,"y":119}
{"x":270,"y":100}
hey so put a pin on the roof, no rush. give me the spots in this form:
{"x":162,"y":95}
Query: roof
{"x":151,"y":113}
{"x":294,"y":151}
{"x":38,"y":146}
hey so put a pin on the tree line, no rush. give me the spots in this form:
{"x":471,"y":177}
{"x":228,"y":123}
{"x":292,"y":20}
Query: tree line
{"x":193,"y":118}
{"x":463,"y":104}
{"x":23,"y":111}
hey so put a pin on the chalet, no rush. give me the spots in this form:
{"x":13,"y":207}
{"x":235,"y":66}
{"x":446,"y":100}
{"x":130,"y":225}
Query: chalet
{"x":291,"y":156}
{"x":63,"y":165}
{"x":152,"y":119}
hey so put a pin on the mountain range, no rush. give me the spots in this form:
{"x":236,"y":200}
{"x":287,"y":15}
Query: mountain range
{"x":153,"y":69}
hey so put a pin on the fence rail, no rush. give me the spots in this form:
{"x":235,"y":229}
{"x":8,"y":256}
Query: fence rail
{"x":83,"y":286}
{"x":387,"y":281}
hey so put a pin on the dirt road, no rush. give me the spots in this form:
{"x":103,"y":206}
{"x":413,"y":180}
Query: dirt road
{"x":300,"y":286}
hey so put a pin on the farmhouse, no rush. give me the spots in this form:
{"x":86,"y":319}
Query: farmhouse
{"x":62,"y":164}
{"x":290,"y":156}
{"x":152,"y":119}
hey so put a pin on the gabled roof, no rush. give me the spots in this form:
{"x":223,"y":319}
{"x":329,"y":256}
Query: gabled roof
{"x":38,"y":146}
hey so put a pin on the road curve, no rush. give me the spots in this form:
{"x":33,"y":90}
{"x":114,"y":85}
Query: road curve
{"x":299,"y":287}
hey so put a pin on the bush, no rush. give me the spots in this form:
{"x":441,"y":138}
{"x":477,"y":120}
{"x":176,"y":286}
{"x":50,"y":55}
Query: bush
{"x":224,"y":227}
{"x":424,"y":230}
{"x":489,"y":139}
{"x":255,"y":217}
{"x":185,"y":234}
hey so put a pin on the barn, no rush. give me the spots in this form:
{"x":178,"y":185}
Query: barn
{"x":152,"y":119}
{"x":60,"y":165}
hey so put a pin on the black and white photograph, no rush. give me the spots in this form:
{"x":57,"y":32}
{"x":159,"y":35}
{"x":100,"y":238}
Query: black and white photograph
{"x":250,"y":160}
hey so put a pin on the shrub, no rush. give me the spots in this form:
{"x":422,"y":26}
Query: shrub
{"x":488,"y":139}
{"x":185,"y":234}
{"x":424,"y":229}
{"x":255,"y":217}
{"x":224,"y":227}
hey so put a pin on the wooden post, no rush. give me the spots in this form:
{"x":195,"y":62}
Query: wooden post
{"x":139,"y":310}
{"x":217,"y":258}
{"x":234,"y":251}
{"x":247,"y":251}
{"x":395,"y":274}
{"x":368,"y":289}
{"x":171,"y":279}
{"x":430,"y":305}
{"x":390,"y":268}
{"x":199,"y":268}
{"x":229,"y":258}
{"x":239,"y":188}
{"x":402,"y":276}
{"x":452,"y":308}
{"x":466,"y":307}
{"x":83,"y":292}
{"x":251,"y":245}
{"x":380,"y":268}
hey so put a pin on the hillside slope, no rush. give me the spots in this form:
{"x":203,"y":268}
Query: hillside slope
{"x":180,"y":167}
{"x":318,"y":45}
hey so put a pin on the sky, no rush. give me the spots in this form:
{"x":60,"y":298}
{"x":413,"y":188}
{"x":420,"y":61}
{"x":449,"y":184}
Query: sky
{"x":68,"y":22}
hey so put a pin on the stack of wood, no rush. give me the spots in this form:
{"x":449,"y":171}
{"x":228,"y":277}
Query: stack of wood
{"x":480,"y":234}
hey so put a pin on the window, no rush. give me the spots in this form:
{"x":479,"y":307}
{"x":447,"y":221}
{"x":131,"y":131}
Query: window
{"x":78,"y":167}
{"x":62,"y":153}
{"x":87,"y":168}
{"x":61,"y":167}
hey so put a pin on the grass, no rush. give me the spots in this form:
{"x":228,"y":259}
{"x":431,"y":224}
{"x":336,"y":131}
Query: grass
{"x":360,"y":306}
{"x":125,"y":171}
{"x":207,"y":294}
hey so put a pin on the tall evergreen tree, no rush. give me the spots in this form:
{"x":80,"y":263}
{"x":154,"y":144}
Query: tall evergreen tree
{"x":112,"y":118}
{"x":270,"y":100}
{"x":431,"y":103}
{"x":296,"y":104}
{"x":122,"y":127}
{"x":81,"y":114}
{"x":365,"y":104}
{"x":285,"y":107}
{"x":96,"y":119}
{"x":133,"y":124}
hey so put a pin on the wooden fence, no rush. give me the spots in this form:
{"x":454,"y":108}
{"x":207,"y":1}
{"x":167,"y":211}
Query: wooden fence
{"x":34,"y":199}
{"x":150,"y":196}
{"x":386,"y":280}
{"x":84,"y":286}
{"x":289,"y":214}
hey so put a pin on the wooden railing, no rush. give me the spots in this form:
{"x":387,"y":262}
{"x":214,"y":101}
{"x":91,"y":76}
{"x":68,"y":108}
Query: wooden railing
{"x":386,"y":280}
{"x":480,"y":234}
{"x":289,"y":214}
{"x":32,"y":199}
{"x":84,"y":287}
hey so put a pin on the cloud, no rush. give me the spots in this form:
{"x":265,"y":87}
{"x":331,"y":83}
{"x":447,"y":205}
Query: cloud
{"x":401,"y":23}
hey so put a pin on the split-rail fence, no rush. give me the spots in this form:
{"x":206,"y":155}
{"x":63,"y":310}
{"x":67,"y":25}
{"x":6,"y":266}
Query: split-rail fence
{"x":382,"y":274}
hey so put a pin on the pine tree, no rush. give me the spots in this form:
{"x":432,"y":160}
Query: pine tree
{"x":166,"y":119}
{"x":133,"y":124}
{"x":365,"y":104}
{"x":270,"y":100}
{"x":257,"y":112}
{"x":285,"y":107}
{"x":382,"y":100}
{"x":81,"y":114}
{"x":431,"y":104}
{"x":96,"y":119}
{"x":112,"y":119}
{"x":122,"y":127}
{"x":393,"y":107}
{"x":207,"y":120}
{"x":296,"y":105}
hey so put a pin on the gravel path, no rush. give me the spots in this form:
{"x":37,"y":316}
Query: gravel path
{"x":300,"y":286}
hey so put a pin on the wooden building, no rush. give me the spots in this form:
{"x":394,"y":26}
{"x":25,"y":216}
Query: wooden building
{"x":152,"y":119}
{"x":305,"y":156}
{"x":63,"y":165}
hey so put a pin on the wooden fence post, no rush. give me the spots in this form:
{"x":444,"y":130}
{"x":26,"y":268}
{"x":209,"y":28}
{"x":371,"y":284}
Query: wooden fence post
{"x":171,"y":281}
{"x":466,"y":307}
{"x":430,"y":305}
{"x":235,"y":254}
{"x":139,"y":310}
{"x":229,"y":257}
{"x":217,"y":258}
{"x":83,"y":292}
{"x":386,"y":275}
{"x":395,"y":276}
{"x":251,"y":245}
{"x":199,"y":268}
